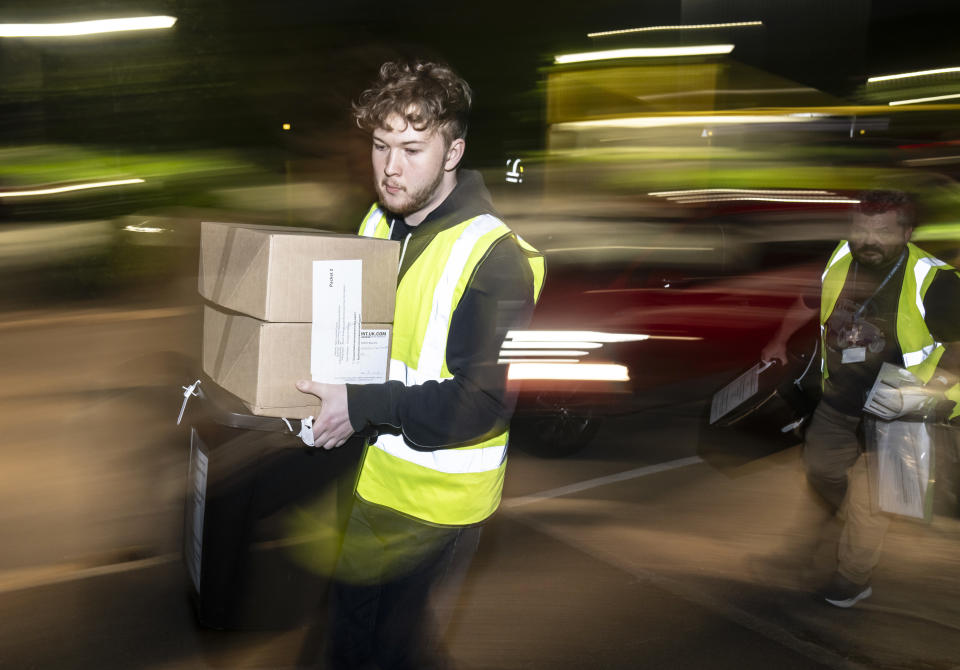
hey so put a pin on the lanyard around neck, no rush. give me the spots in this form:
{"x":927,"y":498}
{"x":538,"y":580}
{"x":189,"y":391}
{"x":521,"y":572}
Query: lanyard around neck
{"x":893,"y":271}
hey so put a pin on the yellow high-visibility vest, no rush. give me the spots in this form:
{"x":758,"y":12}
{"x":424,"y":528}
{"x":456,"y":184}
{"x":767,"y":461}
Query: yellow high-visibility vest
{"x":458,"y":485}
{"x":921,"y":352}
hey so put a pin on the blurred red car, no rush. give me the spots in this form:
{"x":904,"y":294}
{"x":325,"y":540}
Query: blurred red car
{"x":636,"y":315}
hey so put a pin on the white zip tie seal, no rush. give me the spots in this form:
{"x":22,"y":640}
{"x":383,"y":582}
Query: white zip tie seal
{"x":187,"y":392}
{"x":306,"y":431}
{"x":793,"y":425}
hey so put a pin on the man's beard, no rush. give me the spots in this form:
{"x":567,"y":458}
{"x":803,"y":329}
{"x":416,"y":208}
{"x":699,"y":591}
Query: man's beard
{"x":414,"y":201}
{"x":879,"y":258}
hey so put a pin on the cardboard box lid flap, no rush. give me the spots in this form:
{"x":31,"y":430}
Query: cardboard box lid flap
{"x":267,"y":272}
{"x":240,"y":265}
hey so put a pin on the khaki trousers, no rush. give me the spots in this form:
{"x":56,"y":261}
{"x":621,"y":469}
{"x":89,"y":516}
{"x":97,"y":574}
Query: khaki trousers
{"x":837,"y":470}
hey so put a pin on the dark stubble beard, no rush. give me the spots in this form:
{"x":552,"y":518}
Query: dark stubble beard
{"x":416,"y":200}
{"x":885,"y":257}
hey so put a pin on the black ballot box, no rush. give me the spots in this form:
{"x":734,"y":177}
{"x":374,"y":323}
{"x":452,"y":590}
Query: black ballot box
{"x":763,"y":410}
{"x":251,"y":564}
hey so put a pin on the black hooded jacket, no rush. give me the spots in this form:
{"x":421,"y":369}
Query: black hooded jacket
{"x":474,"y":403}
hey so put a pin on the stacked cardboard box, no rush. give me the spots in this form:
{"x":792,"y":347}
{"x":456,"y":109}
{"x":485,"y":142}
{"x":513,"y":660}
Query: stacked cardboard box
{"x":287,"y":304}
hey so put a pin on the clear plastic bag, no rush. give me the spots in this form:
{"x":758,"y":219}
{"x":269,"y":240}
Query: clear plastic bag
{"x":900,"y":461}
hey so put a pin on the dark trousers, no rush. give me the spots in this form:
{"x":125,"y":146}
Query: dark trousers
{"x":394,"y":588}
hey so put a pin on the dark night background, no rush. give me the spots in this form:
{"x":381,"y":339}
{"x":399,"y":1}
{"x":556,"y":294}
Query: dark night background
{"x":231,"y":72}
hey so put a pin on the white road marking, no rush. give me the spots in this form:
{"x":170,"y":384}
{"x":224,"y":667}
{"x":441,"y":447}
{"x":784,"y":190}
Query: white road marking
{"x":519,"y":501}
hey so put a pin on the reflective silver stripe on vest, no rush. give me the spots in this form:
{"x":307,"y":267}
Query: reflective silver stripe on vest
{"x":450,"y":461}
{"x":923,"y":267}
{"x":841,"y":252}
{"x":370,"y":223}
{"x":434,"y":345}
{"x":432,"y":351}
{"x":399,"y":372}
{"x":823,"y":339}
{"x":917,"y":357}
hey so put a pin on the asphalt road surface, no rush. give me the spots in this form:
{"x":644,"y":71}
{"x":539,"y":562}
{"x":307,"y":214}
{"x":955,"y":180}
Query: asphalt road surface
{"x":650,"y":549}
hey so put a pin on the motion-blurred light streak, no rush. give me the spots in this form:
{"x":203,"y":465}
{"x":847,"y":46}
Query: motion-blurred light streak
{"x":757,"y":198}
{"x":512,"y":361}
{"x":537,"y":352}
{"x":932,"y":161}
{"x":939,"y":231}
{"x":76,"y":28}
{"x":538,"y":344}
{"x":144,"y":229}
{"x":906,"y":75}
{"x":610,"y":372}
{"x":644,"y":52}
{"x":622,"y":247}
{"x":915,"y":101}
{"x":744,"y":191}
{"x":678,"y":338}
{"x":692,"y":26}
{"x":574,"y":335}
{"x":67,"y":189}
{"x":728,"y":91}
{"x":692,"y":120}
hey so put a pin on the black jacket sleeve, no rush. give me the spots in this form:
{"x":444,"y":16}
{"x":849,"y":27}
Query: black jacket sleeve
{"x":475,"y":402}
{"x":942,"y":305}
{"x":943,"y":318}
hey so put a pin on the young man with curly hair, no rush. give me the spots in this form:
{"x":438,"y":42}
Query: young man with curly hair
{"x":435,"y":473}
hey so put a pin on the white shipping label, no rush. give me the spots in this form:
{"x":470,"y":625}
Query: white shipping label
{"x":197,"y":492}
{"x":374,"y":355}
{"x":335,"y":349}
{"x":735,"y":393}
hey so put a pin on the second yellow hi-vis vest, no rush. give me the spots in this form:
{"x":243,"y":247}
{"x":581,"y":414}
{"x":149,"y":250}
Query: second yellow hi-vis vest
{"x":921,"y":352}
{"x":458,"y":485}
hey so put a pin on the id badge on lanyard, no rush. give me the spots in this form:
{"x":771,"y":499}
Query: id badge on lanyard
{"x":858,"y":354}
{"x":854,"y":355}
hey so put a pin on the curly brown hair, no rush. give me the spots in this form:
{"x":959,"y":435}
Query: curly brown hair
{"x":426,"y":95}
